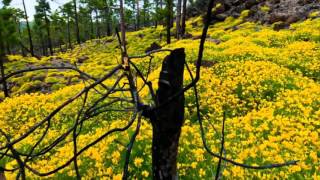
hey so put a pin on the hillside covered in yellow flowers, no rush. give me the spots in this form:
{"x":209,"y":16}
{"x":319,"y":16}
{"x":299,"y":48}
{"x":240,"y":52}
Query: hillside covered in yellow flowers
{"x":268,"y":80}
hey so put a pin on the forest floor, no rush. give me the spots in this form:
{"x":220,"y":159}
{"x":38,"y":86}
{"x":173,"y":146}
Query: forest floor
{"x":268,"y":80}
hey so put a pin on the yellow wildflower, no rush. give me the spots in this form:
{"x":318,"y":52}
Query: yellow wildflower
{"x":138,"y":162}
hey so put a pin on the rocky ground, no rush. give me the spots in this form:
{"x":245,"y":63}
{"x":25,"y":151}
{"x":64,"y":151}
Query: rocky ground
{"x":282,"y":12}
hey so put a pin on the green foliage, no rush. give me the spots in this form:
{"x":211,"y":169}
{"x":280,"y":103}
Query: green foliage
{"x":8,"y":34}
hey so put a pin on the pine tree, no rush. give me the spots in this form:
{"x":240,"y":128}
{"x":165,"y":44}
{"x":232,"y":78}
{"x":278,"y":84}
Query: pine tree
{"x":67,"y":12}
{"x":8,"y":36}
{"x":29,"y":30}
{"x":76,"y":21}
{"x":43,"y":11}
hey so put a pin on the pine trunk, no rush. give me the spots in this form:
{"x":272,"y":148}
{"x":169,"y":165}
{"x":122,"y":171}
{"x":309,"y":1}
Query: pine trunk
{"x":178,"y":20}
{"x":48,"y":34}
{"x":157,"y":7}
{"x":44,"y":52}
{"x":97,"y":24}
{"x":91,"y":26}
{"x":76,"y":21}
{"x":20,"y":36}
{"x":123,"y":28}
{"x":169,"y":19}
{"x":108,"y":21}
{"x":69,"y":34}
{"x":28,"y":27}
{"x":184,"y":16}
{"x":138,"y":15}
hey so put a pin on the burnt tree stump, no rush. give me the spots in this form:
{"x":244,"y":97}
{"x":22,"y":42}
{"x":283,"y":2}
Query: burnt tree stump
{"x":168,"y":119}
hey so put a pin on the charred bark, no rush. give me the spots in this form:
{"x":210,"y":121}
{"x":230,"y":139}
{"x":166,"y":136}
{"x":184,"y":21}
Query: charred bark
{"x":168,"y":120}
{"x":2,"y":58}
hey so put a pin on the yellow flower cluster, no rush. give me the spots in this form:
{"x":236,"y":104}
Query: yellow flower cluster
{"x":267,"y":82}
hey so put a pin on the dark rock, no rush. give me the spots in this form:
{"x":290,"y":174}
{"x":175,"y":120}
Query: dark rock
{"x":187,"y":36}
{"x":58,"y":61}
{"x":107,"y":41}
{"x":238,"y":2}
{"x":293,"y":19}
{"x":227,"y":5}
{"x":275,"y":1}
{"x":152,"y":47}
{"x":276,"y":17}
{"x":281,"y":25}
{"x":305,"y":2}
{"x":216,"y":41}
{"x":235,"y":14}
{"x":238,"y":9}
{"x":221,"y":17}
{"x":288,"y":19}
{"x":194,"y":24}
{"x":82,"y":59}
{"x":288,"y":11}
{"x":40,"y":77}
{"x":206,"y":63}
{"x":233,"y":28}
{"x":55,"y":59}
{"x":141,"y":35}
{"x":196,"y":37}
{"x":250,"y":3}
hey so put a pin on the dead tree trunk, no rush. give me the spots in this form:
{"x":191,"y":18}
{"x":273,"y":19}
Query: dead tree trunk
{"x":2,"y":58}
{"x":168,"y":120}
